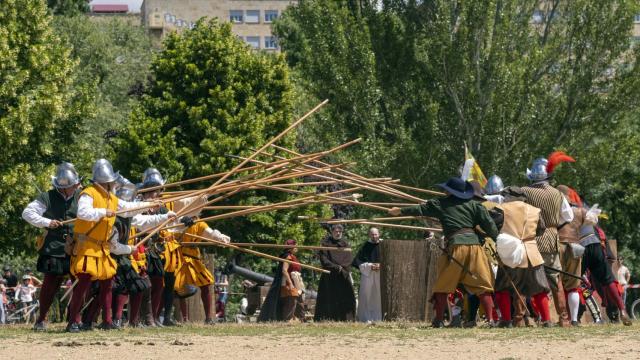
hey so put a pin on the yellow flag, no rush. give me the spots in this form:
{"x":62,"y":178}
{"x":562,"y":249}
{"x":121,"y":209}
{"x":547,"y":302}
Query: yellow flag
{"x":471,"y":170}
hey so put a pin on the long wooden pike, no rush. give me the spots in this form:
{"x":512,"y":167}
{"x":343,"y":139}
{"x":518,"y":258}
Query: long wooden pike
{"x":430,"y":192}
{"x":382,"y":224}
{"x":244,"y":207}
{"x":263,"y":208}
{"x":272,"y":178}
{"x":394,"y":218}
{"x":267,"y":179}
{"x":274,"y":246}
{"x":345,"y":172}
{"x":265,"y":166}
{"x":353,"y":179}
{"x":68,"y":292}
{"x":352,"y":202}
{"x":236,"y":188}
{"x":348,"y":201}
{"x":257,"y":253}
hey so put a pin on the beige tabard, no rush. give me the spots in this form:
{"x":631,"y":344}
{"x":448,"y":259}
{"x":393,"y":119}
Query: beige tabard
{"x":521,"y":221}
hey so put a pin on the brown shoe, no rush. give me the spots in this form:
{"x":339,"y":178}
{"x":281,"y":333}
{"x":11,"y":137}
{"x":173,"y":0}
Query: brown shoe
{"x":625,"y":318}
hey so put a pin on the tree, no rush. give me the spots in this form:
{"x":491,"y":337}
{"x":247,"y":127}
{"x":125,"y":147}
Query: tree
{"x":212,"y":96}
{"x":41,"y":112}
{"x":68,"y":7}
{"x":513,"y":79}
{"x":114,"y":58}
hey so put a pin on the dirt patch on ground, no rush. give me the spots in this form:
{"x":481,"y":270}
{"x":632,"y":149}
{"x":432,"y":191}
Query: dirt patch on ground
{"x":322,"y":343}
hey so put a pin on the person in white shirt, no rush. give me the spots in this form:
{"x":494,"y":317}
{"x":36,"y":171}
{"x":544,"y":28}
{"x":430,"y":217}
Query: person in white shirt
{"x":48,"y":211}
{"x":624,"y":275}
{"x":24,"y":295}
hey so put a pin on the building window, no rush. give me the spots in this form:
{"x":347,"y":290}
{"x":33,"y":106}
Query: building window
{"x":253,"y":17}
{"x":270,"y":42}
{"x":636,"y":19}
{"x":254,"y":41}
{"x":270,"y":15}
{"x":236,"y":16}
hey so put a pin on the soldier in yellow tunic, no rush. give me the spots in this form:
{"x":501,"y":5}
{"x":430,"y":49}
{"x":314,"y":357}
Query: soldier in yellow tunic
{"x":163,"y":255}
{"x":90,"y":261}
{"x":193,"y":271}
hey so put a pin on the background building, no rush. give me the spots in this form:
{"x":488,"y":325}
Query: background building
{"x":251,"y":19}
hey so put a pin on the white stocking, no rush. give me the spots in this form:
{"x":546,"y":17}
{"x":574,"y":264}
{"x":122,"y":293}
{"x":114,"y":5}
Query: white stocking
{"x":574,"y":304}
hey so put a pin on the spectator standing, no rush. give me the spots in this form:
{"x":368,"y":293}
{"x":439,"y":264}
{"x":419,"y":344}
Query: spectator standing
{"x":368,"y":262}
{"x":12,"y":280}
{"x":24,"y":295}
{"x":624,"y":275}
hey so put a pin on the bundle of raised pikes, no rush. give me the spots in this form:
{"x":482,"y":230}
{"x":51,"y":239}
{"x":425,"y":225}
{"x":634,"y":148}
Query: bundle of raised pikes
{"x":277,"y":175}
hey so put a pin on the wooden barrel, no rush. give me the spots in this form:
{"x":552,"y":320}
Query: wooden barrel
{"x":408,"y":271}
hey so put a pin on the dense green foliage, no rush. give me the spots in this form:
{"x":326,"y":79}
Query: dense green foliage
{"x":114,"y":58}
{"x":41,"y":111}
{"x":69,"y":80}
{"x":515,"y":80}
{"x":68,"y":7}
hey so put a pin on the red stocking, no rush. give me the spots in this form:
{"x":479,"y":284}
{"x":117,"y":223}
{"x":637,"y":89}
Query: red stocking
{"x":440,"y":305}
{"x":183,"y":310}
{"x":50,"y":286}
{"x":614,"y":295}
{"x":105,"y":300}
{"x":135,"y":301}
{"x":487,"y":303}
{"x":503,"y":300}
{"x":542,"y":305}
{"x":205,"y":294}
{"x":118,"y":306}
{"x":79,"y":291}
{"x":157,"y":286}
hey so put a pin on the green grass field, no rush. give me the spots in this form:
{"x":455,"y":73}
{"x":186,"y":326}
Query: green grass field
{"x":397,"y":330}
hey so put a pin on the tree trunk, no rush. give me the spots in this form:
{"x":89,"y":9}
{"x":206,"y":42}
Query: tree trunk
{"x":195,"y":310}
{"x":408,"y":270}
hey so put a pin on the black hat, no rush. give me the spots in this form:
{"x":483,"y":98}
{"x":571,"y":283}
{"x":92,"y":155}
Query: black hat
{"x":458,"y":188}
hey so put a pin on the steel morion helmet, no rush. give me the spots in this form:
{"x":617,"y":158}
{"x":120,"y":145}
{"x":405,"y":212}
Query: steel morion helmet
{"x":103,"y":172}
{"x":494,"y":185}
{"x":538,"y":171}
{"x":152,"y":177}
{"x":126,"y":189}
{"x":66,"y":176}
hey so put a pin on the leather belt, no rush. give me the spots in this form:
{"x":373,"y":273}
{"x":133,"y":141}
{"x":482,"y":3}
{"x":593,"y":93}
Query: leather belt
{"x":460,"y":232}
{"x":84,"y":237}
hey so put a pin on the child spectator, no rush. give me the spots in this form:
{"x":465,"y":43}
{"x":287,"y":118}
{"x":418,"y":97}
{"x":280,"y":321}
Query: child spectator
{"x":24,"y":295}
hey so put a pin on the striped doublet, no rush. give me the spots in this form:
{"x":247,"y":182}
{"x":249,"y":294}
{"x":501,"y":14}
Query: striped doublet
{"x":549,"y":200}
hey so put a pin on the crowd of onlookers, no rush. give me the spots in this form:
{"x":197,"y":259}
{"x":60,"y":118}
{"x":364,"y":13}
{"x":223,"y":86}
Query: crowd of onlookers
{"x":13,"y":292}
